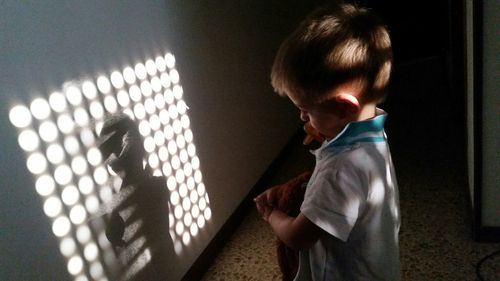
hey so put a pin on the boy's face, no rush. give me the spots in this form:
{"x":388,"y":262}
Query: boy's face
{"x":328,"y":118}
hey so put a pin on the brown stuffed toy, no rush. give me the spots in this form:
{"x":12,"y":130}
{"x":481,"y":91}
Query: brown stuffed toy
{"x":289,"y":197}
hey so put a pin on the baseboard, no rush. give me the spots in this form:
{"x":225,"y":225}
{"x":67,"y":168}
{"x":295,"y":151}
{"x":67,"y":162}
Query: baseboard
{"x":204,"y":261}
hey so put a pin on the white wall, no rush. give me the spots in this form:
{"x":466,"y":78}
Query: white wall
{"x":224,"y":51}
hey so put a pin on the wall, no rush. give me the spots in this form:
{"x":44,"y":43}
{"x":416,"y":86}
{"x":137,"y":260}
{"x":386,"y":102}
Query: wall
{"x":224,"y":51}
{"x":490,"y":115}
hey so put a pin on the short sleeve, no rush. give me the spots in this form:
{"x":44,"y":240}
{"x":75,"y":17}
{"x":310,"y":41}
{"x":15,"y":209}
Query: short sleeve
{"x":334,"y":199}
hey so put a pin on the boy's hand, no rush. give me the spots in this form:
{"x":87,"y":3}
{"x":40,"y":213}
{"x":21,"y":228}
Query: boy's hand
{"x":263,"y":207}
{"x":270,"y":196}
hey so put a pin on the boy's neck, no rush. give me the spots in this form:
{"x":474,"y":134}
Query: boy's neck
{"x":366,"y":111}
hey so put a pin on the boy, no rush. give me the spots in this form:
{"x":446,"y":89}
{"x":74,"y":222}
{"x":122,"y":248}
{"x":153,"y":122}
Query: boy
{"x":335,"y":68}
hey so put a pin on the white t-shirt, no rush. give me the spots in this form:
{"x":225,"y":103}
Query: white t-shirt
{"x":353,"y":196}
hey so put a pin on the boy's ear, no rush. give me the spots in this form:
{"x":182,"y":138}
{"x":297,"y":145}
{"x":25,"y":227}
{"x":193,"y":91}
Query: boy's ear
{"x":349,"y":101}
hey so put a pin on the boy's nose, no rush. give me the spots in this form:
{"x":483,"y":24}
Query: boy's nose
{"x":303,"y":116}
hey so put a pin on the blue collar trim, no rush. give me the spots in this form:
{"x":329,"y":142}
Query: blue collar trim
{"x":371,"y":130}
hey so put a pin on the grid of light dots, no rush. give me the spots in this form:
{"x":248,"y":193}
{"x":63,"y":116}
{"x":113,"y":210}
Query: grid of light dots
{"x":58,"y":135}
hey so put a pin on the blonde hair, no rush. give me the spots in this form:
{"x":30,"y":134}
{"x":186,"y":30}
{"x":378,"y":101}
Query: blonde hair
{"x":334,"y":45}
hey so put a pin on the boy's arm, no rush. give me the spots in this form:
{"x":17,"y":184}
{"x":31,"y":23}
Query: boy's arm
{"x":298,"y":233}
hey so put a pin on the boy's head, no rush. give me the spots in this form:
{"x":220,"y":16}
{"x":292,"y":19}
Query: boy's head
{"x":340,"y":46}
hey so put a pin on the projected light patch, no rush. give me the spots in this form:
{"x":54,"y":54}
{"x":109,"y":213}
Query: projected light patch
{"x":59,"y":137}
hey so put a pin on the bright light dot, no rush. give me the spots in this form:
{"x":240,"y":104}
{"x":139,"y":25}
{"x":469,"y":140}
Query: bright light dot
{"x":201,"y":189}
{"x":70,"y":195}
{"x":96,"y":110}
{"x":153,"y":161}
{"x":28,"y":140}
{"x":87,"y":137}
{"x":146,"y":89}
{"x":98,"y":126}
{"x":83,"y":234}
{"x":81,"y":116}
{"x":202,"y":203}
{"x":160,"y":64}
{"x":92,"y":204}
{"x":57,"y":102}
{"x":144,"y":128}
{"x":74,"y":95}
{"x":20,"y":116}
{"x":190,"y":183}
{"x":168,"y":132}
{"x":174,"y":76}
{"x":174,"y":198}
{"x":188,"y":169}
{"x":110,"y":104}
{"x":186,"y":238}
{"x":197,"y":176}
{"x":185,"y":122}
{"x":191,"y":149}
{"x":170,"y":60}
{"x":178,"y":92}
{"x":45,"y":185}
{"x":201,"y":221}
{"x":96,"y":270}
{"x":188,"y":219}
{"x":172,"y":111}
{"x":186,"y":204}
{"x":165,"y":80}
{"x":61,"y":226}
{"x":154,"y":122}
{"x":195,"y":162}
{"x":183,"y":190}
{"x":86,"y":185}
{"x":36,"y":163}
{"x":117,"y":79}
{"x":103,"y":84}
{"x":156,"y":84}
{"x":40,"y":108}
{"x":169,"y":96}
{"x":94,"y":156}
{"x":181,"y":142}
{"x":182,"y":107}
{"x":78,"y":214}
{"x":178,"y":247}
{"x":193,"y":196}
{"x":159,"y":138}
{"x":135,"y":93}
{"x":149,"y":144}
{"x":177,"y":126}
{"x":63,"y":175}
{"x":179,"y":228}
{"x":47,"y":131}
{"x":89,"y":90}
{"x":150,"y":105}
{"x":166,"y":169}
{"x":139,"y":111}
{"x":90,"y":252}
{"x":207,"y":214}
{"x":71,"y":145}
{"x":79,"y":165}
{"x":163,"y":153}
{"x":151,"y":67}
{"x":117,"y":182}
{"x":100,"y":175}
{"x":55,"y":153}
{"x":52,"y":206}
{"x":179,"y":176}
{"x":129,"y":113}
{"x":123,"y":98}
{"x":67,"y":246}
{"x":75,"y":265}
{"x":171,"y":183}
{"x":159,"y":101}
{"x":65,"y":123}
{"x":106,"y":193}
{"x":172,"y":147}
{"x":188,"y":135}
{"x":193,"y":229}
{"x":129,"y":75}
{"x":176,"y":162}
{"x":195,"y":211}
{"x":140,"y":71}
